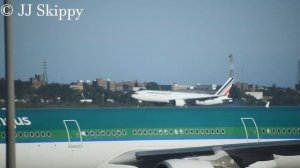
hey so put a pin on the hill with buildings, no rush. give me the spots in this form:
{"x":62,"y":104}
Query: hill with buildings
{"x":101,"y":92}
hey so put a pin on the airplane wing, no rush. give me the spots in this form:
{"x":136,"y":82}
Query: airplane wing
{"x":237,"y":155}
{"x":202,"y":98}
{"x":191,"y":100}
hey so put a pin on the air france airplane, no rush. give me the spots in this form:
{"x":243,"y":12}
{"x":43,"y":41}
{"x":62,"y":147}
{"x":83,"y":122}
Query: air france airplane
{"x":181,"y":99}
{"x":155,"y":137}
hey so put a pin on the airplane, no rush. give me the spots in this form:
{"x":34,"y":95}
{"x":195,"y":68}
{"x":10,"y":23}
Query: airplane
{"x":155,"y":137}
{"x":181,"y":99}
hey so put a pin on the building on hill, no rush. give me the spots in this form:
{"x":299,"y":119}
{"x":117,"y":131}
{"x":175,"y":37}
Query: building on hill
{"x":36,"y":82}
{"x":77,"y":86}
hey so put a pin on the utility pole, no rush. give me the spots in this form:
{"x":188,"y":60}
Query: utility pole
{"x":298,"y":78}
{"x":10,"y":103}
{"x":45,"y":76}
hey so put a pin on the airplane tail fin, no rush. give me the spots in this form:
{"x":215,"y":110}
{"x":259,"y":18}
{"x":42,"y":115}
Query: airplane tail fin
{"x":224,"y":90}
{"x":267,"y":104}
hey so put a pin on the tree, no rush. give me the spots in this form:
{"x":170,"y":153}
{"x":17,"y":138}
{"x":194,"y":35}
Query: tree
{"x":54,"y":90}
{"x":235,"y":93}
{"x":152,"y":86}
{"x":23,"y":89}
{"x":2,"y":88}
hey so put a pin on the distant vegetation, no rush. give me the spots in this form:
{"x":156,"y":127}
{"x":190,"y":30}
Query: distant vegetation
{"x":60,"y":95}
{"x":277,"y":96}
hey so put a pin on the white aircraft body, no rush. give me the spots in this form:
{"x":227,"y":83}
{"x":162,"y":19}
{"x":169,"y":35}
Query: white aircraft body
{"x":183,"y":98}
{"x":155,"y":138}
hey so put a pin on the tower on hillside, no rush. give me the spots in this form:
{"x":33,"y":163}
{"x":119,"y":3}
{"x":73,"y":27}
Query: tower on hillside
{"x":231,"y":66}
{"x":45,"y":77}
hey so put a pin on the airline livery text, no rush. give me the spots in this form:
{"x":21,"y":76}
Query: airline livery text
{"x":18,"y":121}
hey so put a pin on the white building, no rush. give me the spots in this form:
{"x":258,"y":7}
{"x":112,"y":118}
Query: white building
{"x":86,"y":101}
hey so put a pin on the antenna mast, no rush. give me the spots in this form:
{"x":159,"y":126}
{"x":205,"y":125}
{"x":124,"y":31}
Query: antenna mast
{"x":231,"y":66}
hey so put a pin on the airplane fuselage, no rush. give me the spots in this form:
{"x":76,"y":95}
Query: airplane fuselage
{"x":96,"y":137}
{"x":165,"y":96}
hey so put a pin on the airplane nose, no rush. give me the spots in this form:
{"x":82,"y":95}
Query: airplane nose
{"x":134,"y":95}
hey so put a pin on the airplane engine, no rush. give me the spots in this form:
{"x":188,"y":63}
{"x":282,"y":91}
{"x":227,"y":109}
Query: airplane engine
{"x":219,"y":159}
{"x":209,"y":102}
{"x":185,"y":163}
{"x":278,"y":162}
{"x":180,"y":103}
{"x":115,"y":166}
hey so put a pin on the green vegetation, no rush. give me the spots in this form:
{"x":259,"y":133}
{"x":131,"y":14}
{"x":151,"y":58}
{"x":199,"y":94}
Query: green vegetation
{"x":61,"y":95}
{"x":278,"y":96}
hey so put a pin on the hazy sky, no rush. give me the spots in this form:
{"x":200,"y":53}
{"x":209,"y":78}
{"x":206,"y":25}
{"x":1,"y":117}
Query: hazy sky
{"x":166,"y":41}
